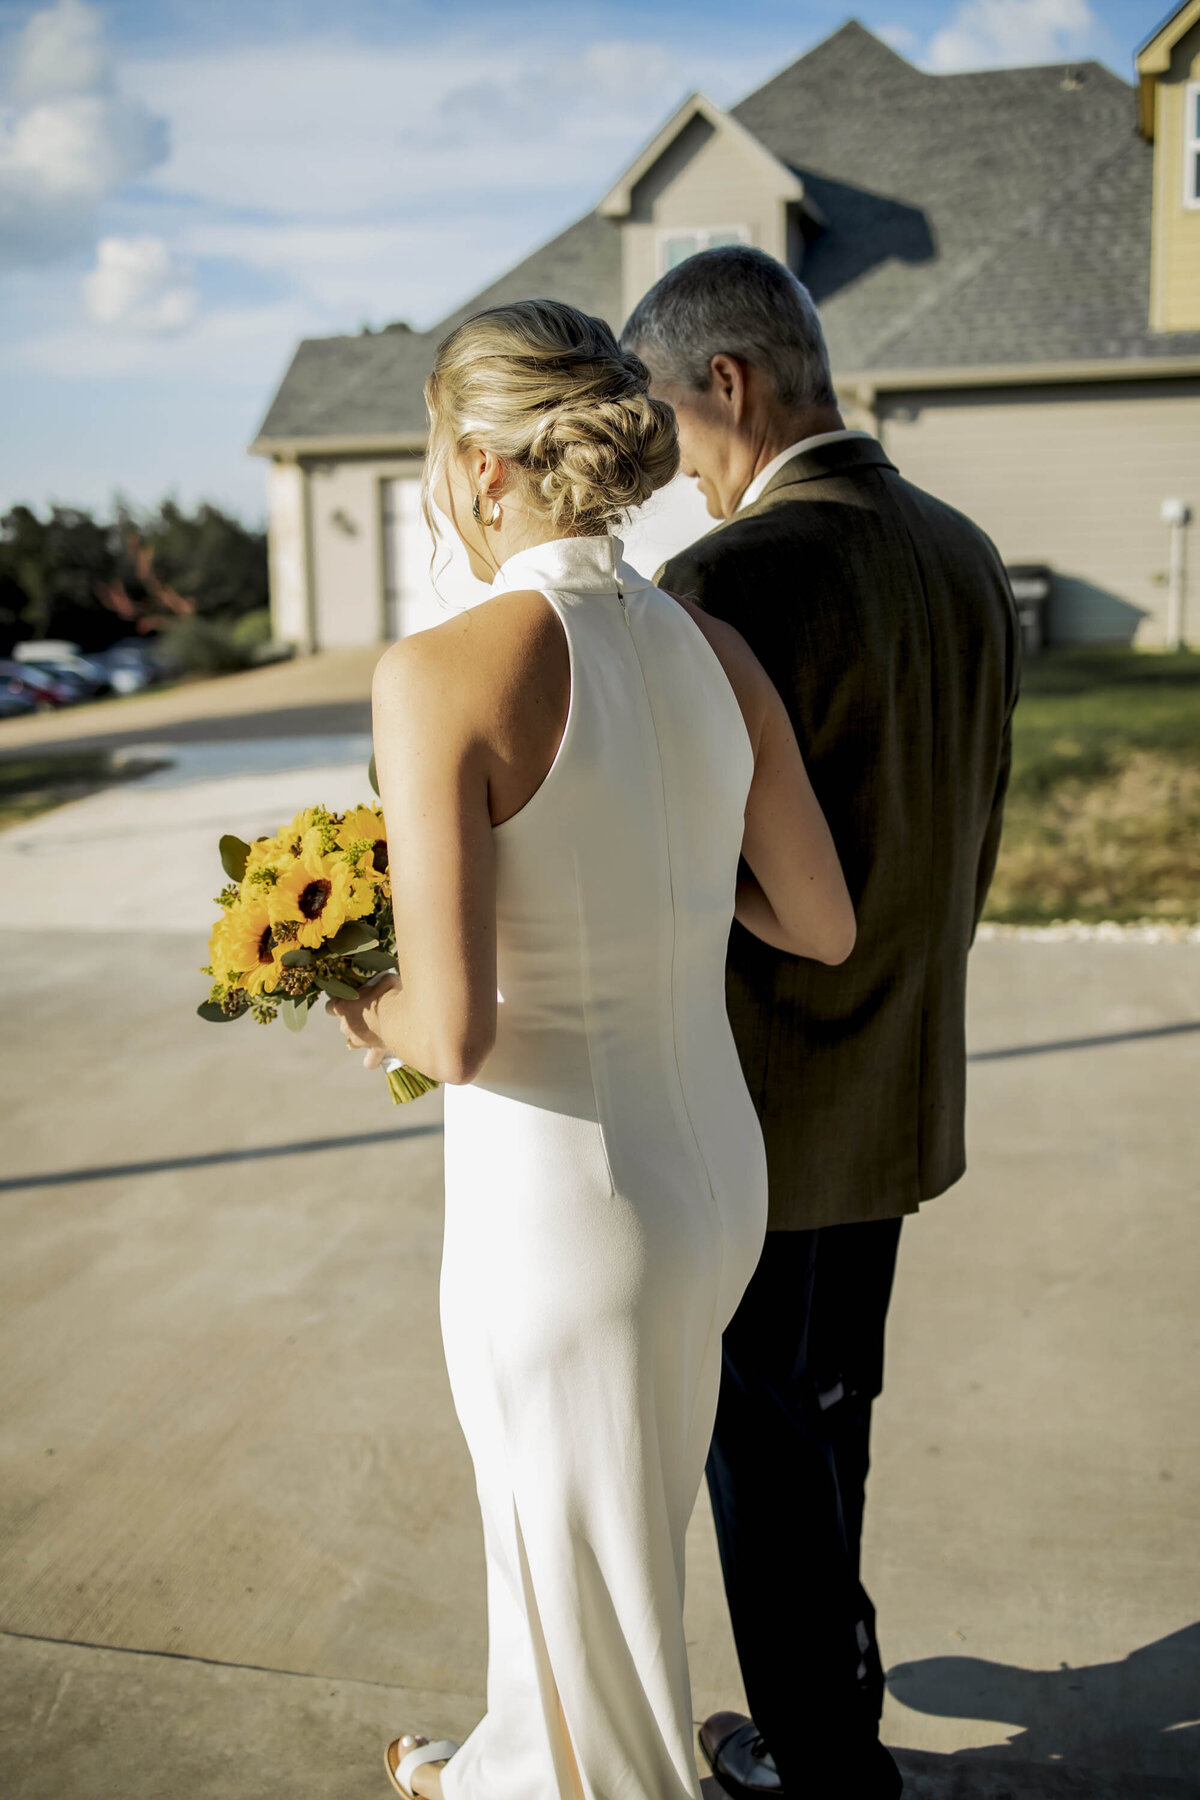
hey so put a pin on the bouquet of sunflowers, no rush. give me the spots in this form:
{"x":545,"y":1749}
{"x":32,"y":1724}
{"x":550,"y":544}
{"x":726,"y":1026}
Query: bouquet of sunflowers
{"x":306,"y":914}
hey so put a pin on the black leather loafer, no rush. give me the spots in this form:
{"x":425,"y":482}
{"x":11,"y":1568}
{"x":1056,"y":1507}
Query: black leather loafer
{"x":737,"y":1756}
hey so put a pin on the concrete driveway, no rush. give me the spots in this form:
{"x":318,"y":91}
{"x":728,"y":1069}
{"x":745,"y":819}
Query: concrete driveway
{"x":240,"y":1544}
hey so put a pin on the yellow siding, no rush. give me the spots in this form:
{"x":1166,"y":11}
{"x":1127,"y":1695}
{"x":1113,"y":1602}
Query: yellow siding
{"x":1175,"y":252}
{"x":705,"y":178}
{"x":1069,"y":476}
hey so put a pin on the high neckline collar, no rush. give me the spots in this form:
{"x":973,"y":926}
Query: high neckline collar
{"x":584,"y":565}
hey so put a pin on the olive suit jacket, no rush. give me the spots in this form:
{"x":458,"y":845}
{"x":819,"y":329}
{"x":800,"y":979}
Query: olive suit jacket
{"x":886,"y":621}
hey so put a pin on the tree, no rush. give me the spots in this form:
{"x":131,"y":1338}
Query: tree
{"x":69,"y":575}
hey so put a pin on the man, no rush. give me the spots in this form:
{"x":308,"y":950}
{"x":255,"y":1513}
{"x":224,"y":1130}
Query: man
{"x":886,"y":621}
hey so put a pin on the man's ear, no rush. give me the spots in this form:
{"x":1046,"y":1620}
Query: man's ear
{"x":728,"y":383}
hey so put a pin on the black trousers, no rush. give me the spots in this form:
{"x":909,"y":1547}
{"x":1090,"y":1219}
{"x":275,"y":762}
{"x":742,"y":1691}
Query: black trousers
{"x":802,"y":1363}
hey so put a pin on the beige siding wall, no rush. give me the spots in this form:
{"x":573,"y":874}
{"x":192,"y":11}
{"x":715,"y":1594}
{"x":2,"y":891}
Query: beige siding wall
{"x":346,"y":550}
{"x":1175,"y":249}
{"x":286,"y":556}
{"x":707,"y":177}
{"x":1070,"y":476}
{"x":370,"y":553}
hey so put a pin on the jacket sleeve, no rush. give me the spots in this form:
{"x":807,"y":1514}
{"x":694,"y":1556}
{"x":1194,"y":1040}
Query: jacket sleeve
{"x":991,"y":839}
{"x":683,"y":574}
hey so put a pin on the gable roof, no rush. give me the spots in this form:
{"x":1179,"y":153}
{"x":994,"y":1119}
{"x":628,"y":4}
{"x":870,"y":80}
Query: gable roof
{"x":1000,"y":217}
{"x":1154,"y":58}
{"x":785,"y":182}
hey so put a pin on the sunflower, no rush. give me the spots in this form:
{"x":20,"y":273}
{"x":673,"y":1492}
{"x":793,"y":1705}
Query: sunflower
{"x":318,"y":900}
{"x":244,"y":947}
{"x":264,"y":851}
{"x":363,"y":825}
{"x":218,"y":949}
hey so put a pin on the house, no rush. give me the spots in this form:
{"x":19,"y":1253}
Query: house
{"x":1007,"y":264}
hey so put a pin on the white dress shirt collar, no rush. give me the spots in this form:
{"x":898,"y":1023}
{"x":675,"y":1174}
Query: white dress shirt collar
{"x":773,"y":467}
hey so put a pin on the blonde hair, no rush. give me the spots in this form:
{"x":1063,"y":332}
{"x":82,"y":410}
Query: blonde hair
{"x":548,"y":390}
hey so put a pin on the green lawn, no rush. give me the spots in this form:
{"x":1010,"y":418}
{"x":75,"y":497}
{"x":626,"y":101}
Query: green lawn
{"x":1103,"y":818}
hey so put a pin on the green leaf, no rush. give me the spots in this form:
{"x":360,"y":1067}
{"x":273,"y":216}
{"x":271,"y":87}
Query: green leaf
{"x":208,"y":1009}
{"x":373,"y":777}
{"x":298,"y":958}
{"x":375,"y":960}
{"x":340,"y":990}
{"x":294,"y":1013}
{"x":354,"y":935}
{"x":233,"y":856}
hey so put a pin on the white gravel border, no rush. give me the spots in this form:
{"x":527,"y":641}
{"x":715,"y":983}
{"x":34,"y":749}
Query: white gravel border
{"x":1063,"y":931}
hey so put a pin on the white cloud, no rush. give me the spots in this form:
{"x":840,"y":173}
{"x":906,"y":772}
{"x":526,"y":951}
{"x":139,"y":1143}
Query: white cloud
{"x":137,"y":286}
{"x":992,"y":33}
{"x":343,"y":131}
{"x":243,"y":347}
{"x":62,"y":51}
{"x":68,"y":139}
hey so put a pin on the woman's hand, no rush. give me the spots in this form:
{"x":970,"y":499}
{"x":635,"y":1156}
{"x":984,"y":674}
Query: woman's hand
{"x":359,"y":1020}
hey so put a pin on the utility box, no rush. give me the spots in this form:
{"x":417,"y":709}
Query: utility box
{"x":1031,"y":585}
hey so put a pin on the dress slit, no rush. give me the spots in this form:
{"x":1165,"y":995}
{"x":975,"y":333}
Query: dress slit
{"x":566,"y":1763}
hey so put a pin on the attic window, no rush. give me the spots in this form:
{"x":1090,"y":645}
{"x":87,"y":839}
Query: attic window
{"x":1191,"y":147}
{"x":675,"y":247}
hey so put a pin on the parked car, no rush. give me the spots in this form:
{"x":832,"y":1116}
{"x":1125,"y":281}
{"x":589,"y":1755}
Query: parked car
{"x":47,"y":689}
{"x":15,"y":699}
{"x":133,"y":663}
{"x":59,"y":657}
{"x":77,"y":685}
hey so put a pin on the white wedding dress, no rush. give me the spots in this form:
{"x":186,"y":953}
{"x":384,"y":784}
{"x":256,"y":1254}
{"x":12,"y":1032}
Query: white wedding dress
{"x":606,"y":1199}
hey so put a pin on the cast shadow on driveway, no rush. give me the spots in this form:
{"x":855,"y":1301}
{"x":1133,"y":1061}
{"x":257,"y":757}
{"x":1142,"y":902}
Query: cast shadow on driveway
{"x":1137,"y":1721}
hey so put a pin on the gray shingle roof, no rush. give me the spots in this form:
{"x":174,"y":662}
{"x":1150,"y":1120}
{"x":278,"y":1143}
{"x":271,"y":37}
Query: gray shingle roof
{"x":978,"y":219}
{"x":349,"y":387}
{"x":993,"y":217}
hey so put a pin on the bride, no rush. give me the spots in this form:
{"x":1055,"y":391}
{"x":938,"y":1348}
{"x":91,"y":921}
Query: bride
{"x":571,"y":772}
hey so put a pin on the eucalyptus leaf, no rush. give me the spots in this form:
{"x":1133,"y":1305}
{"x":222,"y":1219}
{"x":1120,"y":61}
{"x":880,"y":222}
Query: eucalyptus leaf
{"x":375,"y":960}
{"x":294,"y":1014}
{"x":372,"y":777}
{"x":353,"y":936}
{"x":340,"y":990}
{"x":298,"y":958}
{"x":233,"y":856}
{"x":208,"y":1009}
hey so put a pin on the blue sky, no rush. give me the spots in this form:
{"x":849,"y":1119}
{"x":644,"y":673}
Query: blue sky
{"x":187,"y":187}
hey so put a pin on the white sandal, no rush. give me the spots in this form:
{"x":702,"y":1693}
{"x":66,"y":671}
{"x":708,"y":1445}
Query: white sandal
{"x":417,"y":1751}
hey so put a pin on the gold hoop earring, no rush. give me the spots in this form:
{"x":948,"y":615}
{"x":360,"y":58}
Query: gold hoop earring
{"x":476,"y":514}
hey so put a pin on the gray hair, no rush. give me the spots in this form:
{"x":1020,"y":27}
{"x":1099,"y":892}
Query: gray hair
{"x":744,"y":303}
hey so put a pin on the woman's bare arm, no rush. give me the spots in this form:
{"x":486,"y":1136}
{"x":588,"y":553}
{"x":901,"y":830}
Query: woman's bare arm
{"x":439,"y":1013}
{"x":796,"y":897}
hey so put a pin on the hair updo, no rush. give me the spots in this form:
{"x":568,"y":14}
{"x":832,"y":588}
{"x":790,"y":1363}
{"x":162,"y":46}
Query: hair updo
{"x":548,"y":389}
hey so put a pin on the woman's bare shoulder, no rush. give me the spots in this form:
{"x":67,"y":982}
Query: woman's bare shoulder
{"x":474,"y":654}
